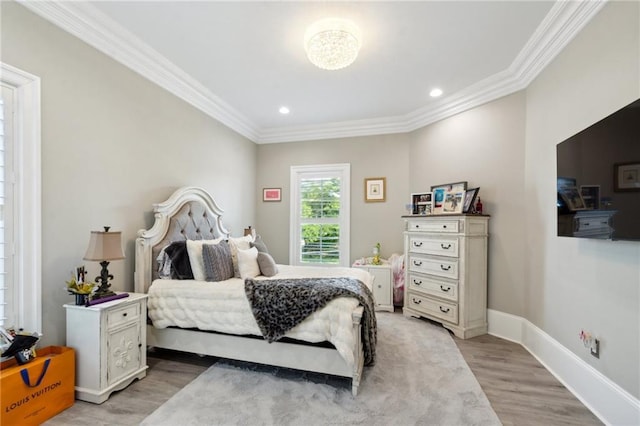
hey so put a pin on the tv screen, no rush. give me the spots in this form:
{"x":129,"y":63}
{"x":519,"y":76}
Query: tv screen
{"x":598,"y":179}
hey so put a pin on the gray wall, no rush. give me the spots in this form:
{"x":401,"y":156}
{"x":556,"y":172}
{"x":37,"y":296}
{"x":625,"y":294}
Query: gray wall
{"x":574,"y":284}
{"x":112,"y":145}
{"x":375,"y":156}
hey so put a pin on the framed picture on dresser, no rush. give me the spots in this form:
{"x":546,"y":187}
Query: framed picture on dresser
{"x":422,"y":203}
{"x":443,"y":199}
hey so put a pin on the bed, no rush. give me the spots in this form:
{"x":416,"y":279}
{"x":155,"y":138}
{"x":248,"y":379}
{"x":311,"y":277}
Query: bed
{"x":331,"y":340}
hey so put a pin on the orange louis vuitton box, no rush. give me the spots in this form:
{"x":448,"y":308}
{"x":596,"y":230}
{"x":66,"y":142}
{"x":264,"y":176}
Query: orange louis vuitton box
{"x":38,"y":390}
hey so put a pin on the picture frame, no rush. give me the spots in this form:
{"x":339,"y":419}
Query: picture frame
{"x":626,"y":177}
{"x":440,"y":191}
{"x":591,"y":196}
{"x":453,"y":202}
{"x":422,"y":203}
{"x":375,"y":190}
{"x":572,"y":198}
{"x":469,"y":198}
{"x":271,"y":194}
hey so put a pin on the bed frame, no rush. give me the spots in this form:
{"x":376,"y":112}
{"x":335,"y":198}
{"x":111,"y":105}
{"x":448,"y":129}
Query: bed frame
{"x":191,"y":213}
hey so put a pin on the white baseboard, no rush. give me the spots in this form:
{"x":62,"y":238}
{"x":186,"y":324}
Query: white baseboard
{"x":608,"y":401}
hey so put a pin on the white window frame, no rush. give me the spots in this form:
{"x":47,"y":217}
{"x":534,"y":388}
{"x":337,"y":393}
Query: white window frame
{"x":27,"y":197}
{"x":299,"y":172}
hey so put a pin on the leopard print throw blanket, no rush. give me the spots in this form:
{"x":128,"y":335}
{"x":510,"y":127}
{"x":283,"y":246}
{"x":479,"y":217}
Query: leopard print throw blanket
{"x":281,"y":304}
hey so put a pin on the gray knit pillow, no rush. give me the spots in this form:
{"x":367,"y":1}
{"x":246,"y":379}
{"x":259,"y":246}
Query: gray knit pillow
{"x":267,"y":265}
{"x":218,"y":265}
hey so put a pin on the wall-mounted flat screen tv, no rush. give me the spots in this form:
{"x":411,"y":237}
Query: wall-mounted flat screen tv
{"x":598,"y":179}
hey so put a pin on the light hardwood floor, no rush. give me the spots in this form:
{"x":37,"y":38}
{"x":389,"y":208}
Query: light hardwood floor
{"x":520,"y":389}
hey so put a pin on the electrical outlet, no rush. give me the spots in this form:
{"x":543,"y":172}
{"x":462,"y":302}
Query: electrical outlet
{"x":595,"y":348}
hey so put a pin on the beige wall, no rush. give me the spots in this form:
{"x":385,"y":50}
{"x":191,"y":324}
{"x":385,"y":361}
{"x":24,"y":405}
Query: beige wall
{"x":112,"y":144}
{"x":575,"y":284}
{"x":375,"y":156}
{"x":485,"y":147}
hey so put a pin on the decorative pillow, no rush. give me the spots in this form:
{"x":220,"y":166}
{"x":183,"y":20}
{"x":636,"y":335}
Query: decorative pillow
{"x":241,"y":243}
{"x":248,"y":263}
{"x":259,"y":244}
{"x":217,"y":261}
{"x":179,"y":265}
{"x":267,"y":265}
{"x":194,"y":248}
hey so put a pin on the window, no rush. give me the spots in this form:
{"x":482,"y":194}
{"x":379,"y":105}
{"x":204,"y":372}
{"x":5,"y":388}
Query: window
{"x":20,"y":288}
{"x":320,"y":205}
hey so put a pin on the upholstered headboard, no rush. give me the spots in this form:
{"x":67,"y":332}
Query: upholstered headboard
{"x":190,"y":213}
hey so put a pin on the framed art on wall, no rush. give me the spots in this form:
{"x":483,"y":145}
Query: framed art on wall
{"x":626,"y":176}
{"x":271,"y":194}
{"x":374,"y":189}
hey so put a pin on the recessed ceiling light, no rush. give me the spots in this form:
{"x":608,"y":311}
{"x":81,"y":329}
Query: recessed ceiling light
{"x":435,"y":93}
{"x":284,"y":110}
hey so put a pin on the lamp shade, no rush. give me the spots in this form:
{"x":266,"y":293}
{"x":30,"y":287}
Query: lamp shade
{"x":104,"y":246}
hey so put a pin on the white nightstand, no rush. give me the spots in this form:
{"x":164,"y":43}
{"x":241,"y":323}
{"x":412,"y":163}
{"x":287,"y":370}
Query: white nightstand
{"x":110,"y":342}
{"x":382,"y":285}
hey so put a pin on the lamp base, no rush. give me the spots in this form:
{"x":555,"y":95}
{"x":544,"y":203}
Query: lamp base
{"x":99,"y":294}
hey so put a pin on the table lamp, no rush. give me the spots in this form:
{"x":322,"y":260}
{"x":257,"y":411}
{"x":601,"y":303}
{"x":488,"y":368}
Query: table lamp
{"x":104,"y":246}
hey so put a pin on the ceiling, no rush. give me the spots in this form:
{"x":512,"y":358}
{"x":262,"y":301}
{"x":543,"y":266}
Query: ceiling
{"x":241,"y":61}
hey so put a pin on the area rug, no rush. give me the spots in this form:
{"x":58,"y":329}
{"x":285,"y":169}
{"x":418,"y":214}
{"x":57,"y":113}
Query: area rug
{"x":420,"y":378}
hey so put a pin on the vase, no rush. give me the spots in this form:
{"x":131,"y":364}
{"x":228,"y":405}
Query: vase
{"x":81,"y":299}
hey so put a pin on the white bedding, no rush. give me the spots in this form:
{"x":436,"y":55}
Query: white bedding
{"x":223,"y":307}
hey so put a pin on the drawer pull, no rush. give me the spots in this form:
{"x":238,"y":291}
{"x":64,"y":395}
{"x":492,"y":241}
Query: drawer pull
{"x":417,"y":262}
{"x":448,"y":267}
{"x":417,"y":244}
{"x":124,"y":315}
{"x":447,"y":247}
{"x":417,"y":302}
{"x":445,"y":289}
{"x":416,"y":282}
{"x":444,"y":226}
{"x":444,"y":310}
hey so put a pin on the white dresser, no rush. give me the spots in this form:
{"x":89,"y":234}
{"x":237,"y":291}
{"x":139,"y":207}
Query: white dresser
{"x":382,"y":285}
{"x":110,"y":344}
{"x":446,"y":271}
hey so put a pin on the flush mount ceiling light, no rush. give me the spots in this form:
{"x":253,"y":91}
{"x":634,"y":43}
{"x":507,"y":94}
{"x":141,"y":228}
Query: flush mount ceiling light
{"x":332,"y":43}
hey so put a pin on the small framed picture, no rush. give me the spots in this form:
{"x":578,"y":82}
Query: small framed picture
{"x":271,"y":194}
{"x":374,"y":189}
{"x":469,"y":197}
{"x":422,"y":203}
{"x":572,"y":198}
{"x":453,"y":202}
{"x":590,"y":196}
{"x":440,"y":191}
{"x":626,"y":176}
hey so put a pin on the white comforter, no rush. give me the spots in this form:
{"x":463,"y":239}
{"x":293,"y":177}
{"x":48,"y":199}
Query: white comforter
{"x":223,"y":307}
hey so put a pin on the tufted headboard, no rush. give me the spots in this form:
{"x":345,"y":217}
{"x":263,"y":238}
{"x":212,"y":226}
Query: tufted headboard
{"x":190,"y":213}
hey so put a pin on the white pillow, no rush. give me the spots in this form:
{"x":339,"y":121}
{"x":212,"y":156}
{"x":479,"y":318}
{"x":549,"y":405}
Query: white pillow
{"x":194,"y":249}
{"x":235,"y":244}
{"x":248,"y":263}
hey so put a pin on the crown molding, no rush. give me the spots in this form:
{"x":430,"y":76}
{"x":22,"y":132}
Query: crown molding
{"x":99,"y":31}
{"x":559,"y":27}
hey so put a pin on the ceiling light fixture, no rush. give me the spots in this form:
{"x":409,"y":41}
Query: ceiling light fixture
{"x":332,"y":43}
{"x":284,"y":110}
{"x":435,"y":93}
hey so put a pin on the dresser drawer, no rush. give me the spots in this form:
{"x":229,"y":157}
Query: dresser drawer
{"x":450,"y":226}
{"x":123,"y":315}
{"x":439,"y":288}
{"x":441,"y":267}
{"x":443,"y":310}
{"x":436,"y":246}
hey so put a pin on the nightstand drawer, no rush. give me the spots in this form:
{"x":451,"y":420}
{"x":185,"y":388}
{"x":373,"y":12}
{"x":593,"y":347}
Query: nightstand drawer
{"x":123,"y":315}
{"x":443,"y":310}
{"x":441,"y":267}
{"x":436,"y":246}
{"x":445,"y":226}
{"x":439,"y":288}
